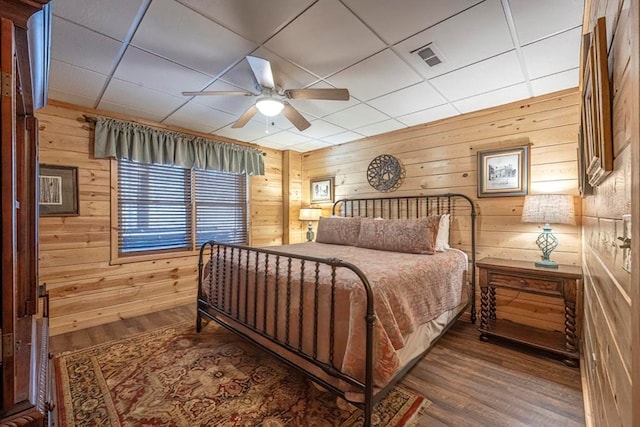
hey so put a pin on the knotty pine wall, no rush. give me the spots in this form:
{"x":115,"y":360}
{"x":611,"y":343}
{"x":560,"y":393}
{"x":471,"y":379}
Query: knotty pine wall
{"x":440,"y":157}
{"x":607,"y":289}
{"x":85,"y":289}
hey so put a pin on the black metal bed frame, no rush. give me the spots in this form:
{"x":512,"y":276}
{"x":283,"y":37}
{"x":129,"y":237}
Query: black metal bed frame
{"x":227,"y":261}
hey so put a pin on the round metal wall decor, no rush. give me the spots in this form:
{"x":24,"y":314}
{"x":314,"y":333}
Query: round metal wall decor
{"x":385,"y":173}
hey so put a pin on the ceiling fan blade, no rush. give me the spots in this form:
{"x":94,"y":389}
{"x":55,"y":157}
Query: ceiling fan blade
{"x":219,"y":92}
{"x":245,"y":117}
{"x":262,"y":70}
{"x":330,"y":94}
{"x":295,"y":117}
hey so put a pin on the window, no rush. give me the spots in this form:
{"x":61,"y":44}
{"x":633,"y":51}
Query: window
{"x":160,"y":207}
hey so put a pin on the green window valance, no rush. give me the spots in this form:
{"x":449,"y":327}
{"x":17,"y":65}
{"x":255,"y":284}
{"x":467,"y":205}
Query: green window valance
{"x":145,"y":144}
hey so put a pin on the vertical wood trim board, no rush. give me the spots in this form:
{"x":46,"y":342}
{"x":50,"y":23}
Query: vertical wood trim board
{"x":85,"y":290}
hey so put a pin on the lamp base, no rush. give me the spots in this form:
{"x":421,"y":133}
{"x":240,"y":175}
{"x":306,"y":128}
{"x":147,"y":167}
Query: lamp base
{"x":310,"y":234}
{"x":546,"y":263}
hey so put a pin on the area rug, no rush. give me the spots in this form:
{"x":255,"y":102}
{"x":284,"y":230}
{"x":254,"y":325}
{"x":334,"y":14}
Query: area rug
{"x":173,"y":376}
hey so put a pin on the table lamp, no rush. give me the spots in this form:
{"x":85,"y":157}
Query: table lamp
{"x":548,"y":209}
{"x":310,"y":214}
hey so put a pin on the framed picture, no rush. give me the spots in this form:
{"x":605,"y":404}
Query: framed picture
{"x":322,"y":190}
{"x":597,"y":140}
{"x":503,"y":172}
{"x":58,"y":190}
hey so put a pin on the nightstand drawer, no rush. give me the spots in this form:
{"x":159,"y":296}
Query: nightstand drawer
{"x":546,"y":286}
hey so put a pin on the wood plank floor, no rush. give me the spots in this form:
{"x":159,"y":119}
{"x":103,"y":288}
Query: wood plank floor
{"x":469,"y":382}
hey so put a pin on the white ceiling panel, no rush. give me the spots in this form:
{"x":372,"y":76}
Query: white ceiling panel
{"x":414,"y":98}
{"x":71,"y":98}
{"x":381,"y":127}
{"x":320,"y":129}
{"x":343,"y":137}
{"x":355,"y":117}
{"x":380,"y":74}
{"x":198,"y":117}
{"x":131,"y":111}
{"x":493,"y":98}
{"x":491,"y":74}
{"x":330,"y":28}
{"x":112,"y":18}
{"x":552,"y":55}
{"x":252,"y":19}
{"x":250,"y":132}
{"x":231,"y":104}
{"x":429,"y":115}
{"x":81,"y":47}
{"x":557,"y":16}
{"x":176,"y":32}
{"x":68,"y":78}
{"x":310,"y":146}
{"x":151,"y":71}
{"x":394,"y":21}
{"x":283,"y":138}
{"x":555,"y":82}
{"x":473,"y":35}
{"x":140,"y":98}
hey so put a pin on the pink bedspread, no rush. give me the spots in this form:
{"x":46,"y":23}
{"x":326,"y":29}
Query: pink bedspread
{"x":409,"y":290}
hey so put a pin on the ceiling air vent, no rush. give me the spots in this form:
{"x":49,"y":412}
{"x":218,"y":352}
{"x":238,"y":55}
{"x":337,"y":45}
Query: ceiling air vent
{"x":430,"y":54}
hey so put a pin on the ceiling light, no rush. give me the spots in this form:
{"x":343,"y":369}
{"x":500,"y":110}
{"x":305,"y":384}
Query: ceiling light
{"x":269,"y":106}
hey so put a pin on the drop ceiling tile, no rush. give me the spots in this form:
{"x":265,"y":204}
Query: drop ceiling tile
{"x":491,"y":74}
{"x":493,"y":98}
{"x":272,"y":144}
{"x":67,"y":78}
{"x":343,"y":137}
{"x":283,"y":139}
{"x":84,"y":48}
{"x":381,"y":127}
{"x":554,"y":54}
{"x":141,"y":98}
{"x":250,"y":18}
{"x":285,"y":74}
{"x":200,"y":118}
{"x":382,"y":73}
{"x":112,"y":18}
{"x":326,"y":38}
{"x":131,"y":111}
{"x":230,"y":103}
{"x":148,"y":70}
{"x":555,"y":82}
{"x":414,"y":98}
{"x":320,"y":129}
{"x":250,"y":132}
{"x":174,"y":31}
{"x":394,"y":21}
{"x":556,"y":15}
{"x":355,"y":117}
{"x":321,"y":108}
{"x":310,"y":146}
{"x":71,"y":98}
{"x":429,"y":115}
{"x":475,"y":34}
{"x":272,"y":124}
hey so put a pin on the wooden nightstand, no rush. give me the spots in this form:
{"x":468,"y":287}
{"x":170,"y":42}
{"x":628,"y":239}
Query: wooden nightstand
{"x":524,"y":276}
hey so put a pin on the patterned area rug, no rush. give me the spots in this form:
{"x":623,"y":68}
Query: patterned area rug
{"x":173,"y":376}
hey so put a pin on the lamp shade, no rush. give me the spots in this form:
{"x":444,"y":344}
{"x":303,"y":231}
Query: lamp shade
{"x":549,"y":209}
{"x":310,"y":214}
{"x":269,"y":106}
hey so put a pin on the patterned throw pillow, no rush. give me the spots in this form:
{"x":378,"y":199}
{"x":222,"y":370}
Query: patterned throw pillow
{"x":338,"y":230}
{"x":415,"y":236}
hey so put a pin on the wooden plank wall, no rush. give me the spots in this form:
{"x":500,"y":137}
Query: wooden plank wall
{"x":441,"y":157}
{"x":607,"y":288}
{"x":85,"y":290}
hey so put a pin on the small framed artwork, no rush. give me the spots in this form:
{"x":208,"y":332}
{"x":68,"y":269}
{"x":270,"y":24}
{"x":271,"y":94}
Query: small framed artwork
{"x":322,"y":190}
{"x":503,"y":172}
{"x":58,"y":190}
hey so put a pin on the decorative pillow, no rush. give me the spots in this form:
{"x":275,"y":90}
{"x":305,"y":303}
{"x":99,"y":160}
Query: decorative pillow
{"x":415,"y":236}
{"x":338,"y":230}
{"x":442,"y":241}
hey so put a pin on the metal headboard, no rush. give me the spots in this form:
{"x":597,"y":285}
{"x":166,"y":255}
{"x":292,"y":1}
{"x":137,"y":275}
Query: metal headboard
{"x":417,"y":207}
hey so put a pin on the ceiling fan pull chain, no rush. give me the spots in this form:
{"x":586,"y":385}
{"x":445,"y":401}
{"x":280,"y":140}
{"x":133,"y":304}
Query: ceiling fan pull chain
{"x":266,"y":124}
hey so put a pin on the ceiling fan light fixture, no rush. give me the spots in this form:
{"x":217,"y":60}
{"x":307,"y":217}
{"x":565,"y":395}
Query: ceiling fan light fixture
{"x":269,"y":106}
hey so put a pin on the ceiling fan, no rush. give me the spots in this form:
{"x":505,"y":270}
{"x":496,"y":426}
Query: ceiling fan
{"x":272,"y":99}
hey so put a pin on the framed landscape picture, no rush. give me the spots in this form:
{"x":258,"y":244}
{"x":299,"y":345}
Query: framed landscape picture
{"x":58,"y":190}
{"x":503,"y":172}
{"x":322,"y":190}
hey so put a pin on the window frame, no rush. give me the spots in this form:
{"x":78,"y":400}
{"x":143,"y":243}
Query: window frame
{"x":152,"y":255}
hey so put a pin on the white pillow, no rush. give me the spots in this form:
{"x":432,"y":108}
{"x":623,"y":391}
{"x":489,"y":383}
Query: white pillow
{"x":442,"y":241}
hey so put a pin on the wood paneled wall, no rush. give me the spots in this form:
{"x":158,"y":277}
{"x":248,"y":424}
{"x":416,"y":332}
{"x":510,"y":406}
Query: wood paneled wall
{"x":607,"y":289}
{"x":441,"y":157}
{"x":85,"y":290}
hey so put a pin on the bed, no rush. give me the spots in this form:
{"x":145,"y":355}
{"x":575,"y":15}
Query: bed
{"x":358,"y":308}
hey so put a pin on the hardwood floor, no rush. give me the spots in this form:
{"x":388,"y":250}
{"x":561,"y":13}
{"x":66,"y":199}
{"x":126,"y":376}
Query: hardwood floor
{"x":469,"y":382}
